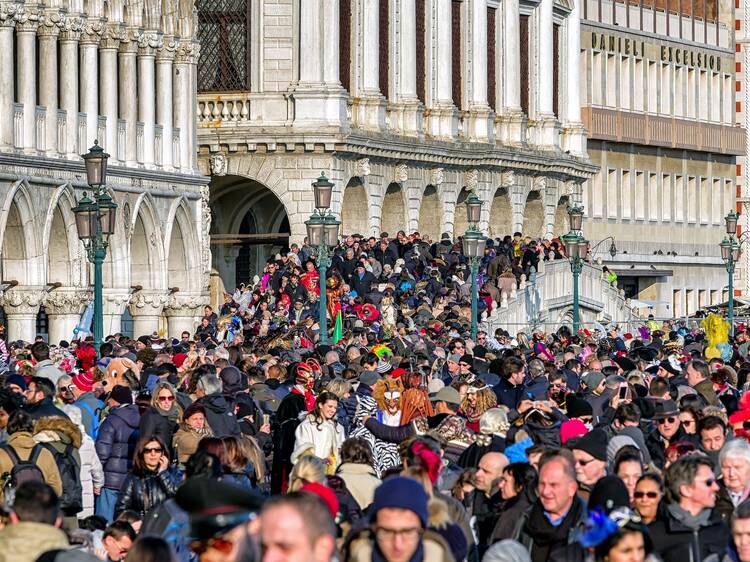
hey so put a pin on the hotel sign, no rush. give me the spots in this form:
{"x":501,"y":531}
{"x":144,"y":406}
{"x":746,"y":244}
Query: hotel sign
{"x":638,"y":48}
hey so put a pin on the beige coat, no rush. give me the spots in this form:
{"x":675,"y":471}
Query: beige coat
{"x":22,"y":442}
{"x":186,"y":441}
{"x":26,"y":541}
{"x":361,"y":482}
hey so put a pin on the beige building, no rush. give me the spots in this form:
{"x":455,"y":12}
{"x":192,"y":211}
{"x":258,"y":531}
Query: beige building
{"x":659,"y":103}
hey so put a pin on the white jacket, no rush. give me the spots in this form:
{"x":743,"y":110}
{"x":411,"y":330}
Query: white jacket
{"x":321,"y":441}
{"x":92,"y":474}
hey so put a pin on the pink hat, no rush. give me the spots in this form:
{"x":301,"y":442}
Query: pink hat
{"x":572,"y":428}
{"x":84,"y":381}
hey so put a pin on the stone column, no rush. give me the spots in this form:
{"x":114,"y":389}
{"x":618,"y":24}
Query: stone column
{"x":149,"y":42}
{"x":368,"y":109}
{"x":108,"y":100}
{"x":511,"y":120}
{"x":146,"y":309}
{"x":319,"y":99}
{"x":64,"y":309}
{"x":479,"y":127}
{"x":406,"y":111}
{"x":182,"y":312}
{"x":26,"y":66}
{"x":21,"y":306}
{"x":69,"y":37}
{"x":164,"y":95}
{"x":89,"y":52}
{"x":115,"y":301}
{"x":183,"y":97}
{"x":545,"y":130}
{"x":573,"y":134}
{"x":442,"y":121}
{"x":7,"y":74}
{"x":128,"y":75}
{"x":48,"y":84}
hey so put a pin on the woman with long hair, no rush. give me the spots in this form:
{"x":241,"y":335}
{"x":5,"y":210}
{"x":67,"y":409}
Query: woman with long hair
{"x":151,"y":481}
{"x":649,"y":490}
{"x":320,"y":434}
{"x":163,"y":417}
{"x":518,"y":489}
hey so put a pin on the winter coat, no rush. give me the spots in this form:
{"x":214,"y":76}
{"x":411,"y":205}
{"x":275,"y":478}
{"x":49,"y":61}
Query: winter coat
{"x":186,"y":440}
{"x":360,"y":546}
{"x":92,"y":474}
{"x":361,"y":481}
{"x":48,"y":370}
{"x":676,"y":542}
{"x":144,"y":492}
{"x":26,"y":541}
{"x":91,"y":403}
{"x":156,"y":423}
{"x":323,"y":440}
{"x":23,"y":443}
{"x":115,"y":444}
{"x":219,"y":415}
{"x":42,"y":409}
{"x":508,"y":394}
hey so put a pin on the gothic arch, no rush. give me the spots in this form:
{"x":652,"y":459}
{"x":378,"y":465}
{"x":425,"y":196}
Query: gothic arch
{"x":355,"y":208}
{"x":561,"y":217}
{"x":394,"y":210}
{"x":430,"y":214}
{"x":460,"y":222}
{"x":18,"y":237}
{"x":181,"y":244}
{"x":533,"y":215}
{"x":501,"y":214}
{"x":146,"y":247}
{"x":65,"y":253}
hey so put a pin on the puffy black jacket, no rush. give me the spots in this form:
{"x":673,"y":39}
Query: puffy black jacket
{"x":115,"y":444}
{"x":219,"y":415}
{"x":675,"y":542}
{"x":142,"y":493}
{"x":44,"y":409}
{"x":153,"y":423}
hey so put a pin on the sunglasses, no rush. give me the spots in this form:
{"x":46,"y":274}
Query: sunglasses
{"x":166,"y":398}
{"x":710,"y":482}
{"x":222,"y":545}
{"x":153,"y":450}
{"x":649,"y":495}
{"x":670,"y":419}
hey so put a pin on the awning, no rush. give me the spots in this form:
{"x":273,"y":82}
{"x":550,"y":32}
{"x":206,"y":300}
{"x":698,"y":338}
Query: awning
{"x":643,"y":272}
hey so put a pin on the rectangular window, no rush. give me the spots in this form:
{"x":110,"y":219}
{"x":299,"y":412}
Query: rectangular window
{"x":612,"y":76}
{"x":597,"y":78}
{"x":715,"y":108}
{"x":639,"y":97}
{"x":727,"y":100}
{"x":692,"y":199}
{"x":224,"y":35}
{"x":679,"y":198}
{"x":456,"y":51}
{"x":597,"y":195}
{"x":653,"y":88}
{"x":689,"y":301}
{"x":491,"y":60}
{"x":702,"y":298}
{"x":703,"y":96}
{"x":345,"y":43}
{"x":640,"y":196}
{"x":691,"y":99}
{"x":679,"y":92}
{"x":717,"y":209}
{"x":420,"y":62}
{"x":523,"y":42}
{"x":612,"y":193}
{"x":666,"y":197}
{"x":653,"y":198}
{"x":665,"y":94}
{"x":625,"y":195}
{"x":677,"y":302}
{"x":555,"y":69}
{"x":705,"y":210}
{"x":625,"y":83}
{"x":384,"y":30}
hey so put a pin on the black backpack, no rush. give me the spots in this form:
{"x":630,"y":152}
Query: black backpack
{"x":71,"y":500}
{"x":21,"y":471}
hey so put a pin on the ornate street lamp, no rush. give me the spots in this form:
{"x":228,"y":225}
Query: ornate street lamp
{"x":473,"y":245}
{"x":322,"y":233}
{"x":95,"y":221}
{"x":731,"y":251}
{"x":577,"y":250}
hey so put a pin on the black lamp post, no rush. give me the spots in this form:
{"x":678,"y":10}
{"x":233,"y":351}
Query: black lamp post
{"x":95,"y":221}
{"x":577,"y":248}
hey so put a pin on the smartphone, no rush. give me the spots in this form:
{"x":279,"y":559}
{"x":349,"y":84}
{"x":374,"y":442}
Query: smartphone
{"x":623,"y":391}
{"x":266,"y":419}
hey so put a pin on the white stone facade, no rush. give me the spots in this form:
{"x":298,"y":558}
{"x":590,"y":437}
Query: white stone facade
{"x":125,"y":75}
{"x":407,"y":106}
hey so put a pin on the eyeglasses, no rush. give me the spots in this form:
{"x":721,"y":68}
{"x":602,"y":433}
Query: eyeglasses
{"x":153,"y":450}
{"x":687,"y":422}
{"x":165,"y":398}
{"x":670,"y":419}
{"x":584,"y":463}
{"x":222,"y":545}
{"x":383,"y":534}
{"x":649,"y":495}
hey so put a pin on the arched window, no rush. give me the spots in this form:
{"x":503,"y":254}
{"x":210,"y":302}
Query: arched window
{"x":224,"y":35}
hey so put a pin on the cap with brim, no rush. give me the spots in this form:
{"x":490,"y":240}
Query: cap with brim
{"x":449,"y":395}
{"x":664,"y":409}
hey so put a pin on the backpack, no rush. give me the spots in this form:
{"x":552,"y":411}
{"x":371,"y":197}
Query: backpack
{"x":22,"y":471}
{"x":71,"y":499}
{"x":94,"y":417}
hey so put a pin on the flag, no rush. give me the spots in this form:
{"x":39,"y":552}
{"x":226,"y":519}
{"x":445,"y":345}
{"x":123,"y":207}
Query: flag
{"x":84,"y":327}
{"x":338,"y":329}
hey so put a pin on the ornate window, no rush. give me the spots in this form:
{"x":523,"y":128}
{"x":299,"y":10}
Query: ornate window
{"x":345,"y":43}
{"x":224,"y":35}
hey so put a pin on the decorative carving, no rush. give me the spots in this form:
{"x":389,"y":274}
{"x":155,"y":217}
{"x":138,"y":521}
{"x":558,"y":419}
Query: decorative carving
{"x":437,"y":176}
{"x":71,"y":29}
{"x":149,"y":42}
{"x":8,"y":14}
{"x":66,"y":302}
{"x":187,"y":52}
{"x":362,"y":168}
{"x":218,"y":163}
{"x":168,"y":48}
{"x":508,"y":178}
{"x":22,"y":302}
{"x":92,"y":31}
{"x":51,"y":24}
{"x":112,"y":34}
{"x":147,"y":303}
{"x":180,"y":304}
{"x":471,"y":180}
{"x":401,"y":173}
{"x":126,"y":219}
{"x":205,"y":235}
{"x":27,"y":20}
{"x":538,"y":183}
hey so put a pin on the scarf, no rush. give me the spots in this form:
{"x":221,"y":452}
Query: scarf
{"x":692,"y":522}
{"x":547,"y":537}
{"x":204,"y":431}
{"x":173,"y":414}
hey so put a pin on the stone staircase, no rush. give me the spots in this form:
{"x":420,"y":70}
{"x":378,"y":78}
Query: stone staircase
{"x":545,"y":301}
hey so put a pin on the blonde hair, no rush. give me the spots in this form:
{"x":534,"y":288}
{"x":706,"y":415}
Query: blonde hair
{"x":162,"y":385}
{"x":340,"y":387}
{"x":308,"y":469}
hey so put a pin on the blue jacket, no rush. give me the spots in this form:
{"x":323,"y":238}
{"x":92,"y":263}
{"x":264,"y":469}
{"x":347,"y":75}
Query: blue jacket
{"x":115,"y":444}
{"x":508,"y":394}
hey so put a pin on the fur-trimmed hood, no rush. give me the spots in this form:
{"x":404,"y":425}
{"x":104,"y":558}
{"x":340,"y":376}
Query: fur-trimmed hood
{"x":50,"y":429}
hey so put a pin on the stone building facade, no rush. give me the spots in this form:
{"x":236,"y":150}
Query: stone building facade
{"x":407,"y":105}
{"x":658,"y":95}
{"x":123,"y":73}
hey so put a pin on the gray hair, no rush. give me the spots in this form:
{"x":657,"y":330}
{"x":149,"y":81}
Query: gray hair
{"x":507,"y":551}
{"x":536,"y":368}
{"x":682,"y":473}
{"x":211,"y":384}
{"x":64,"y":381}
{"x":735,"y":449}
{"x":494,"y":420}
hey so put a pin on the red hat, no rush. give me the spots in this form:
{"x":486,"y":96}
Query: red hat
{"x":628,"y":336}
{"x":327,"y":495}
{"x":396,"y":373}
{"x":178,"y":359}
{"x":739,"y":416}
{"x":84,"y":381}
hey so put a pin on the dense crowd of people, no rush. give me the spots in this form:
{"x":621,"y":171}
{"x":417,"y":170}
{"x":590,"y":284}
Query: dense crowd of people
{"x":402,"y":439}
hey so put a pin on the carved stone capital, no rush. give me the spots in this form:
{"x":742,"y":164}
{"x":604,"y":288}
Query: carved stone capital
{"x":184,"y":305}
{"x":168,"y":49}
{"x":508,"y":178}
{"x":147,"y":304}
{"x":437,"y":176}
{"x":187,"y":52}
{"x":149,"y":42}
{"x":93,"y":29}
{"x":112,"y":34}
{"x":8,"y":15}
{"x":71,"y":29}
{"x":362,"y":169}
{"x":401,"y":173}
{"x":538,"y":183}
{"x":51,"y":24}
{"x":27,"y":20}
{"x":66,"y":302}
{"x":23,"y":301}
